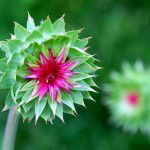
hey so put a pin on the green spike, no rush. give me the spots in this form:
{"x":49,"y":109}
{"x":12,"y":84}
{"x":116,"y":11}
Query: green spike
{"x":53,"y":105}
{"x":39,"y":107}
{"x":46,"y":28}
{"x":30,"y":24}
{"x":20,"y":32}
{"x":77,"y":97}
{"x":59,"y":26}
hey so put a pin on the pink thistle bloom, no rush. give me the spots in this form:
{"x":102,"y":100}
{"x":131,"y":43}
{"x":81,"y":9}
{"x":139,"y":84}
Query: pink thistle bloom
{"x":133,"y":98}
{"x":52,"y":75}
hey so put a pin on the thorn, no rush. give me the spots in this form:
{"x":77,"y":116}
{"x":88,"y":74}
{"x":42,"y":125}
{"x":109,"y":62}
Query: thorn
{"x":84,"y":106}
{"x":86,"y":48}
{"x":63,"y":16}
{"x":4,"y":109}
{"x":51,"y":121}
{"x":24,"y":120}
{"x":36,"y":121}
{"x":15,"y":23}
{"x":88,"y":38}
{"x":81,"y":29}
{"x":29,"y":14}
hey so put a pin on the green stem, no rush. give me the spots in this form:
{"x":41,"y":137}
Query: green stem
{"x":10,"y":131}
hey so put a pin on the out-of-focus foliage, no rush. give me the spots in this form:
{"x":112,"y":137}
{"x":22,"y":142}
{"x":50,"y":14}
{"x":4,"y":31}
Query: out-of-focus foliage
{"x":121,"y":32}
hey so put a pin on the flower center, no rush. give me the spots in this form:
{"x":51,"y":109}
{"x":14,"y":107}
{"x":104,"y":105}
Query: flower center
{"x":133,"y":98}
{"x":53,"y":74}
{"x":50,"y":78}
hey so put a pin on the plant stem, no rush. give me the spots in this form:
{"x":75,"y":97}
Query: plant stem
{"x":10,"y":130}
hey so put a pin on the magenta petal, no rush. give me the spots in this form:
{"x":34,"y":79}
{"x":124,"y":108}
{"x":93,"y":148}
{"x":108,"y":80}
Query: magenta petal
{"x":32,"y":76}
{"x":42,"y":90}
{"x":68,"y":65}
{"x":52,"y":75}
{"x":51,"y":56}
{"x":61,"y":56}
{"x":52,"y":92}
{"x":43,"y":59}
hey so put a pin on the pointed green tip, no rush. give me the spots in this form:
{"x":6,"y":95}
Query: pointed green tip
{"x":16,"y":24}
{"x":88,"y":38}
{"x":63,"y":16}
{"x":4,"y":109}
{"x":81,"y":29}
{"x":29,"y":15}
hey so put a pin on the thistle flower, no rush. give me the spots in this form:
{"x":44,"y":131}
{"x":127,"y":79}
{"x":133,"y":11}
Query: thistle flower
{"x":51,"y":75}
{"x":128,"y":98}
{"x":46,"y":69}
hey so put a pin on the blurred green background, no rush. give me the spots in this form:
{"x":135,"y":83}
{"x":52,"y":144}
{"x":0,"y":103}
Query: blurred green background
{"x":121,"y":32}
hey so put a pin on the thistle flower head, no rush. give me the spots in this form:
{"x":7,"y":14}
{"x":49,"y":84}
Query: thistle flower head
{"x":132,"y":98}
{"x":128,"y":99}
{"x":46,"y":69}
{"x":52,"y":75}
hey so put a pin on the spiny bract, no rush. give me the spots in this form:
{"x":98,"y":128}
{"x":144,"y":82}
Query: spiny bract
{"x":128,"y":98}
{"x":46,"y":69}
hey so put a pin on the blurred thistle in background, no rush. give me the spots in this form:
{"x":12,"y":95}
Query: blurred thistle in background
{"x":129,"y":99}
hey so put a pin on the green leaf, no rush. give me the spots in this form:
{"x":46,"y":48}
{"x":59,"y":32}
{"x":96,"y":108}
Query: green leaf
{"x":45,"y":51}
{"x":74,"y":35}
{"x":53,"y":105}
{"x":76,"y":52}
{"x":90,"y":82}
{"x":77,"y":97}
{"x":15,"y":46}
{"x":59,"y":111}
{"x":96,"y":67}
{"x":80,"y":76}
{"x":67,"y":100}
{"x":59,"y":26}
{"x":39,"y":107}
{"x":3,"y":65}
{"x":7,"y":80}
{"x":81,"y":43}
{"x":4,"y":47}
{"x":15,"y":89}
{"x":91,"y":60}
{"x":19,"y":95}
{"x":68,"y":110}
{"x":83,"y":86}
{"x":36,"y":49}
{"x":87,"y":95}
{"x":49,"y":43}
{"x":79,"y":59}
{"x":9,"y":103}
{"x":46,"y":28}
{"x":35,"y":36}
{"x":28,"y":106}
{"x":22,"y":72}
{"x":85,"y":68}
{"x":28,"y":86}
{"x":20,"y":32}
{"x":29,"y":48}
{"x":31,"y":58}
{"x":59,"y":43}
{"x":16,"y":60}
{"x":26,"y":97}
{"x":29,"y":114}
{"x":47,"y":114}
{"x":30,"y":24}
